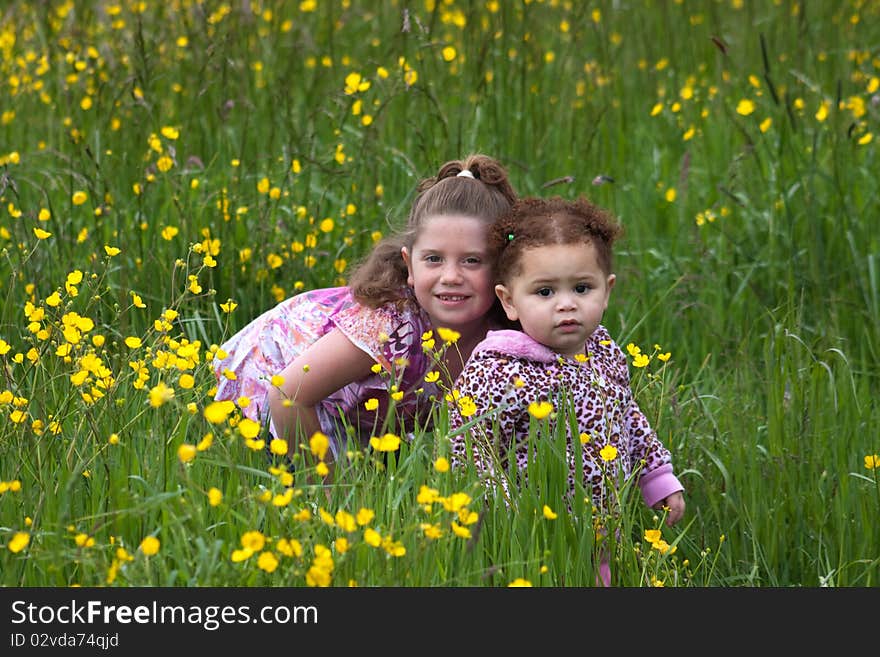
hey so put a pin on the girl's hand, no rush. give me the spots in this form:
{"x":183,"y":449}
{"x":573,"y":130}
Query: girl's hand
{"x":675,"y":504}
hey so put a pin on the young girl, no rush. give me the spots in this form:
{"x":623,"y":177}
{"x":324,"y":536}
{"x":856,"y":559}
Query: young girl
{"x":330,"y":347}
{"x":554,"y":273}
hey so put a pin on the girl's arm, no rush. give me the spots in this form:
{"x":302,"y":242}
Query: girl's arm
{"x":331,"y":363}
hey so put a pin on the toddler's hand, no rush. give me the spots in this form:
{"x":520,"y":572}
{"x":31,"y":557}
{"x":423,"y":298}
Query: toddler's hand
{"x":675,"y":504}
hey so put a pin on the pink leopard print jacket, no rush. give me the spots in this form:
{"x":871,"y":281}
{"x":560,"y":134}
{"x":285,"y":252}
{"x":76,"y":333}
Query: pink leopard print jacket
{"x":508,"y":370}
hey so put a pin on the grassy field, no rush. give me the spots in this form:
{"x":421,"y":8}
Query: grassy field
{"x":168,"y":170}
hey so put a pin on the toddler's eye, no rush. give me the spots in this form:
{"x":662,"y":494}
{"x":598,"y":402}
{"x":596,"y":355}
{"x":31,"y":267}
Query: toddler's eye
{"x":544,"y":292}
{"x":581,"y":288}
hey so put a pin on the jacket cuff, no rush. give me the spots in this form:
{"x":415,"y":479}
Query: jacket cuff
{"x":658,"y":484}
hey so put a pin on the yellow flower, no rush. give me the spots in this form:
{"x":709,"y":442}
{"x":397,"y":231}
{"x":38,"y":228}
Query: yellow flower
{"x":112,"y":250}
{"x":549,"y":513}
{"x":150,"y":546}
{"x":18,"y":542}
{"x":519,"y":582}
{"x":745,"y":107}
{"x":253,"y":540}
{"x":79,"y":197}
{"x":249,"y":428}
{"x":608,"y":453}
{"x":241,"y":555}
{"x":160,"y":394}
{"x":387,"y":443}
{"x":448,"y":335}
{"x":872,"y":461}
{"x":229,"y":306}
{"x":42,"y":234}
{"x":372,"y":537}
{"x":132,"y":342}
{"x":432,"y":532}
{"x":319,"y":444}
{"x":215,"y":496}
{"x":432,"y":377}
{"x":164,"y":163}
{"x":217,"y":412}
{"x":354,"y":83}
{"x":186,"y":452}
{"x":448,"y":53}
{"x":267,"y":561}
{"x":540,"y":409}
{"x":345,"y":521}
{"x":186,"y":381}
{"x":461,"y":532}
{"x":278,"y":446}
{"x":371,"y":404}
{"x":289,"y":547}
{"x":641,"y":360}
{"x":441,"y":465}
{"x":652,"y":535}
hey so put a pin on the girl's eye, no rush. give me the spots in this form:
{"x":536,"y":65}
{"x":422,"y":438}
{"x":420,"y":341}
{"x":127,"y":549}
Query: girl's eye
{"x":472,"y":261}
{"x":432,"y":258}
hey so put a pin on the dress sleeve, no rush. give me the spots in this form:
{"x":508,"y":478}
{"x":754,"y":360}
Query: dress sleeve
{"x":385,"y":333}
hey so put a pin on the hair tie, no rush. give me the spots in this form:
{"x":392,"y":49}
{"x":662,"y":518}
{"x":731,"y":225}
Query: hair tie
{"x":466,"y":173}
{"x":510,"y":237}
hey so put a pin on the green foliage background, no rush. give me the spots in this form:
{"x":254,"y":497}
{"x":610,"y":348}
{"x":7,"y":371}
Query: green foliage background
{"x":740,"y":143}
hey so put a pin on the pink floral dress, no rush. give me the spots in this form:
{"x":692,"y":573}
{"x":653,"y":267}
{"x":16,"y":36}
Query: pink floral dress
{"x":392,"y":335}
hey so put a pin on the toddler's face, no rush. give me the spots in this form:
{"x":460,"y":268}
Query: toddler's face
{"x":559,"y":295}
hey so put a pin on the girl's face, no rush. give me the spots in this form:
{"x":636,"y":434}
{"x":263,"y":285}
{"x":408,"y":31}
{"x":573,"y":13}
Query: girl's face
{"x":559,"y":295}
{"x":451,"y":274}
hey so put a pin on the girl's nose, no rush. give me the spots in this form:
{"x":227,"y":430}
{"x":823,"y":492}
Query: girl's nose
{"x":451,"y":273}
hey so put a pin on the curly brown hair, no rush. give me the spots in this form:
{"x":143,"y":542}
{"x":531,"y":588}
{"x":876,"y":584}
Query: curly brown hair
{"x":534,"y":222}
{"x":381,"y":277}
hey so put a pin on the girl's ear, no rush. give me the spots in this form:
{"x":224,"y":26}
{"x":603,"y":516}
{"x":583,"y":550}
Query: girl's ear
{"x":506,"y":299}
{"x":404,"y":253}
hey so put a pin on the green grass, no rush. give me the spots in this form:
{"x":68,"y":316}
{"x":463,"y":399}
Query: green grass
{"x":748,"y":254}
